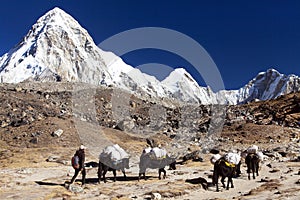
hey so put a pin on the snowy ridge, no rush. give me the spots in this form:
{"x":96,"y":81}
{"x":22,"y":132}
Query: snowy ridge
{"x":269,"y":85}
{"x":57,"y":48}
{"x":57,"y":43}
{"x":181,"y":85}
{"x":266,"y":85}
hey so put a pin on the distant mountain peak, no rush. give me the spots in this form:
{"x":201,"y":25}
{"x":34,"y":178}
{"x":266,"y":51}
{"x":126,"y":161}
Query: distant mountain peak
{"x":55,"y":13}
{"x":179,"y":74}
{"x":269,"y":85}
{"x":56,"y":43}
{"x":58,"y":48}
{"x":272,"y":70}
{"x":56,"y":10}
{"x":270,"y":74}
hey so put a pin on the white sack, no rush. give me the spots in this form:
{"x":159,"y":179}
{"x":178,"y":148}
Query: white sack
{"x":232,"y":158}
{"x":214,"y":158}
{"x":147,"y":150}
{"x":114,"y":152}
{"x":252,"y":149}
{"x":260,"y":155}
{"x":159,"y":152}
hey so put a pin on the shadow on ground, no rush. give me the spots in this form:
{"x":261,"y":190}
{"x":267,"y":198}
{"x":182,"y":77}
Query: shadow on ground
{"x":201,"y":181}
{"x":49,"y":183}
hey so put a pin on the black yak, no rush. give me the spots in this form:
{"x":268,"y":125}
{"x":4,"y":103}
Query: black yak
{"x":252,"y":162}
{"x":224,"y":168}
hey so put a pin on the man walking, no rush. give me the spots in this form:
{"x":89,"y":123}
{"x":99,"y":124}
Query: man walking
{"x":81,"y":155}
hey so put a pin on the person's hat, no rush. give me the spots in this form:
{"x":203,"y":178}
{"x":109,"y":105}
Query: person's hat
{"x":82,"y":147}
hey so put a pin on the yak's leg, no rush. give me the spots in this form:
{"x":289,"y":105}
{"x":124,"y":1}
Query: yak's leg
{"x":252,"y":167}
{"x":231,"y":181}
{"x":115,"y":174}
{"x":228,"y":181}
{"x":165,"y":173}
{"x":248,"y":170}
{"x":253,"y":170}
{"x":140,"y":176}
{"x":142,"y":172}
{"x":103,"y":174}
{"x":159,"y":173}
{"x":144,"y":175}
{"x":217,"y":185}
{"x":125,"y":177}
{"x":238,"y":170}
{"x":215,"y":180}
{"x":99,"y":172}
{"x":223,"y":181}
{"x":257,"y":167}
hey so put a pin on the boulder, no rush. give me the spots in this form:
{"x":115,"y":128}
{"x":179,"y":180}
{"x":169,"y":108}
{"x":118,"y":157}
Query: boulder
{"x":125,"y":125}
{"x":57,"y":133}
{"x":34,"y":140}
{"x":155,"y":196}
{"x":75,"y":188}
{"x":194,"y":156}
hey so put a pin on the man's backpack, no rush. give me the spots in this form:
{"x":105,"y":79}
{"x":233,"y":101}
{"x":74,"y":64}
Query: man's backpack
{"x":75,"y":162}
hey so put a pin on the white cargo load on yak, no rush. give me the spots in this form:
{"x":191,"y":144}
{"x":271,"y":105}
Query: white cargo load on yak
{"x":159,"y":152}
{"x":232,"y":158}
{"x":147,"y":150}
{"x":252,"y":149}
{"x":114,"y":152}
{"x":214,"y":158}
{"x":260,"y":155}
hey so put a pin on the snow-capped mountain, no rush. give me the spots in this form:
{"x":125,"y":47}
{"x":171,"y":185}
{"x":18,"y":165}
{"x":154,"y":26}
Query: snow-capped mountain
{"x":57,"y":48}
{"x":266,"y":85}
{"x":182,"y":86}
{"x":269,"y":85}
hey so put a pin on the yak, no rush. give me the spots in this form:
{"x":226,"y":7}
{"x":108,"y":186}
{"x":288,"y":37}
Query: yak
{"x":104,"y":167}
{"x":224,"y":168}
{"x":149,"y":160}
{"x":252,"y":162}
{"x":112,"y":158}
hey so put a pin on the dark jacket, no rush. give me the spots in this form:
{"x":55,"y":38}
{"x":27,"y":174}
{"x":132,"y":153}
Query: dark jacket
{"x":81,"y":155}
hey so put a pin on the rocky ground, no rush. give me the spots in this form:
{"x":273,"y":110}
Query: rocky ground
{"x":43,"y":124}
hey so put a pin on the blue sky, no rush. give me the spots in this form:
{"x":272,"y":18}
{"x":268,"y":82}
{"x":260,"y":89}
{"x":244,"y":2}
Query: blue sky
{"x":242,"y":37}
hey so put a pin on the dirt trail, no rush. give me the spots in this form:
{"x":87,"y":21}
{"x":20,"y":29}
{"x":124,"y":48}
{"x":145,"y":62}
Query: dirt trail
{"x":48,"y":182}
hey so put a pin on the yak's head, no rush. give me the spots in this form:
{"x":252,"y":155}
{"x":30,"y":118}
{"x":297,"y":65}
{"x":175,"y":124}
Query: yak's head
{"x":172,"y":162}
{"x":126,"y":163}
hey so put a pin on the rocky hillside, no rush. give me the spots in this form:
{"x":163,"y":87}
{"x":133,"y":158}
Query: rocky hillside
{"x":31,"y":113}
{"x":284,"y":111}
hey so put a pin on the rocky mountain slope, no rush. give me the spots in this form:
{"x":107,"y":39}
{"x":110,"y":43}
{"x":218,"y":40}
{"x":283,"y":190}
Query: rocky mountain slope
{"x":29,"y":108}
{"x":57,"y":48}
